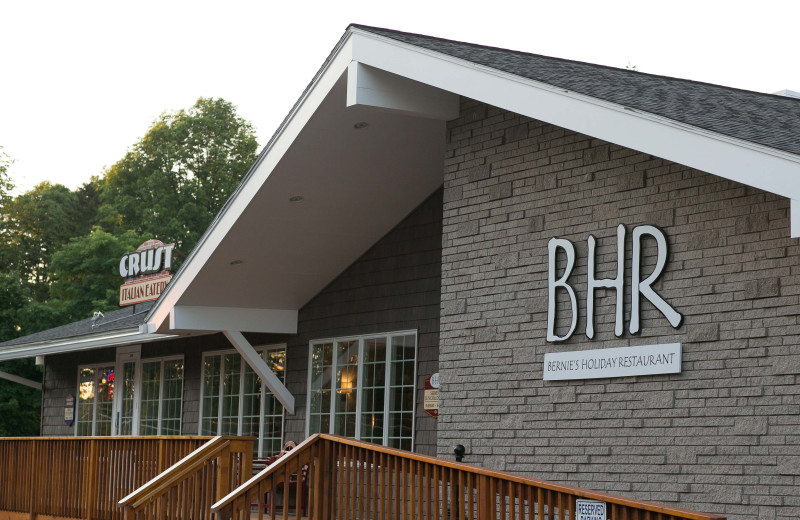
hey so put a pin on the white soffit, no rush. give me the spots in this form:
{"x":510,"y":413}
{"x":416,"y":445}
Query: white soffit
{"x":265,"y":252}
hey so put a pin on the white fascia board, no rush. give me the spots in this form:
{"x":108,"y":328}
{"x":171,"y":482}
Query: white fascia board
{"x":735,"y":159}
{"x":278,"y":321}
{"x":258,"y":365}
{"x":275,"y":151}
{"x":45,"y":348}
{"x":376,"y":88}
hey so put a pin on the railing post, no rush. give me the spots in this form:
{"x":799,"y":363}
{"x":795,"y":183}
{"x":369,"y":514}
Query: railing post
{"x":484,"y":500}
{"x":223,"y":473}
{"x":31,"y":472}
{"x":161,"y":457}
{"x":91,"y":476}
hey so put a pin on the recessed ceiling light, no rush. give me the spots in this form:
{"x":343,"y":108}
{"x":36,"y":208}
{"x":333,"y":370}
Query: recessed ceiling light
{"x":296,"y":198}
{"x":360,"y":125}
{"x":237,"y":262}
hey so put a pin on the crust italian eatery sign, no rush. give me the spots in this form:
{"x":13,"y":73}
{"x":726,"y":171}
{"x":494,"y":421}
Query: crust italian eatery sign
{"x":147,"y":271}
{"x":614,"y":362}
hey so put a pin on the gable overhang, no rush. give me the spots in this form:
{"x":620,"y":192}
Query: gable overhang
{"x":271,"y":256}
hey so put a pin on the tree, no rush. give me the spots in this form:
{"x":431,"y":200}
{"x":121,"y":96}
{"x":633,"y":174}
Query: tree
{"x":37,"y":224}
{"x":174,"y":180}
{"x":85,"y":271}
{"x":20,"y":406}
{"x":5,"y":181}
{"x":5,"y":197}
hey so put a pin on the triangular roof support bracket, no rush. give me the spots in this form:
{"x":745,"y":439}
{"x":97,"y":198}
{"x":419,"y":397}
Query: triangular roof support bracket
{"x":20,"y":380}
{"x":260,"y":367}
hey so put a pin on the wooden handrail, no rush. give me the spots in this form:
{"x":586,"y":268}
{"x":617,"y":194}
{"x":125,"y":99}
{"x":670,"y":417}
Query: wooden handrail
{"x":266,"y":472}
{"x":209,"y":469}
{"x":163,"y":481}
{"x":347,"y":478}
{"x":521,"y":479}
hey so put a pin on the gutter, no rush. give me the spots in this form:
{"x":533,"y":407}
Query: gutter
{"x":139,"y":334}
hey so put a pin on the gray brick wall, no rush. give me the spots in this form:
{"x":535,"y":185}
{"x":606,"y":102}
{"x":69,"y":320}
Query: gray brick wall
{"x":722,"y":436}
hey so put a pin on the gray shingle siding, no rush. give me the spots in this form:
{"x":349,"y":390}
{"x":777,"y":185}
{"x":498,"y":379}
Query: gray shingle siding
{"x":722,"y":435}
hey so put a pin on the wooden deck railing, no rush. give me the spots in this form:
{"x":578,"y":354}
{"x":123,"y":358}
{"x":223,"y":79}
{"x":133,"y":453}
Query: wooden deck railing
{"x":354,"y":480}
{"x":187,"y":489}
{"x":81,"y":477}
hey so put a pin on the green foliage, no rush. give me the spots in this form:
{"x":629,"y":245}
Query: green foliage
{"x":172,"y":182}
{"x":38,"y":223}
{"x":12,"y":300}
{"x":85,"y":271}
{"x":5,"y":180}
{"x":60,"y":249}
{"x":20,"y":405}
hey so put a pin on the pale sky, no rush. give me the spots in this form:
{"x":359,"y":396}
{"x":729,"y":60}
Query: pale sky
{"x":80,"y":82}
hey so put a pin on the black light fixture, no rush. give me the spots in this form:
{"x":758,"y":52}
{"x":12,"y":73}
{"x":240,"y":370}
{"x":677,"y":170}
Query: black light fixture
{"x":360,"y":125}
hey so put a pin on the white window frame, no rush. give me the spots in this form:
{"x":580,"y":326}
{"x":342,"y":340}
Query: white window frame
{"x":117,"y":365}
{"x":138,"y":395}
{"x":222,"y":353}
{"x":95,"y":367}
{"x":387,"y":387}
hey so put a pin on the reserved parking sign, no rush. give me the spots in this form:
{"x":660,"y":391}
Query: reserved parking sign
{"x":590,"y":510}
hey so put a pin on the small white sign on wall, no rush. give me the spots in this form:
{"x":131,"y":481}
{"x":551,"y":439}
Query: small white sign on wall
{"x":613,"y":362}
{"x":590,"y":510}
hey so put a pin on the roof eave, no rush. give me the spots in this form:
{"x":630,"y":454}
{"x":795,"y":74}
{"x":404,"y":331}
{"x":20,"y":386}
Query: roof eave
{"x":139,"y":334}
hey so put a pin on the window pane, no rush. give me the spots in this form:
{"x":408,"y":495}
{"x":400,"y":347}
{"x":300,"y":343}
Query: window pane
{"x":273,"y":409}
{"x":86,"y":389}
{"x":211,"y":368}
{"x":346,"y":388}
{"x":172,"y":397}
{"x":148,"y":406}
{"x":401,"y":393}
{"x":251,"y":402}
{"x":230,"y":394}
{"x":127,"y":395}
{"x":104,"y":401}
{"x":373,"y":385}
{"x":321,"y":367}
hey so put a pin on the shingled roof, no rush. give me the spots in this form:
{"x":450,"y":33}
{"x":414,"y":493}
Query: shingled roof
{"x":764,"y":119}
{"x":126,"y":318}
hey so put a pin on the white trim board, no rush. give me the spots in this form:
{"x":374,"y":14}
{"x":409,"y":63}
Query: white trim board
{"x":45,"y":348}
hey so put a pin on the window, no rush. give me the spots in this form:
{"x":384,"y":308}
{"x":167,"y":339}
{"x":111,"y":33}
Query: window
{"x":162,"y":389}
{"x":235,"y":402}
{"x":363,"y":387}
{"x":95,"y":400}
{"x":131,"y":397}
